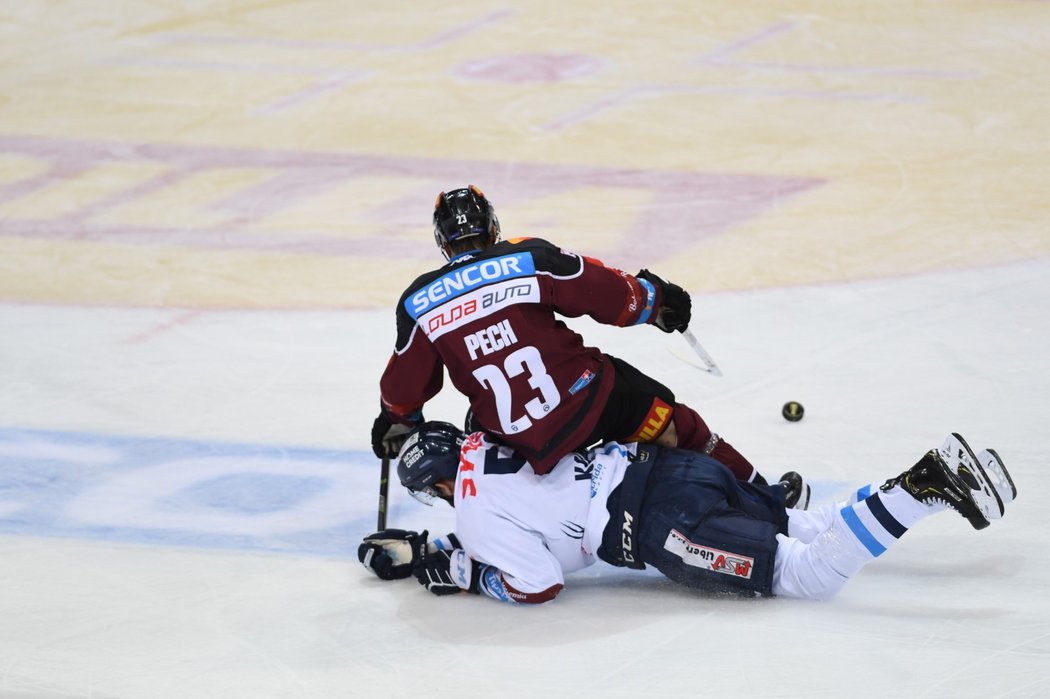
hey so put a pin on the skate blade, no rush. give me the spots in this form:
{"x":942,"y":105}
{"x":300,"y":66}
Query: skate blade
{"x":957,"y":453}
{"x":803,"y":500}
{"x":996,"y":471}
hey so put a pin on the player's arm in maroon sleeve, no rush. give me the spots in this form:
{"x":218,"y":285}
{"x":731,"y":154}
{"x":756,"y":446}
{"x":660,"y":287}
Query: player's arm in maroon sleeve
{"x":581,"y":285}
{"x":413,"y":375}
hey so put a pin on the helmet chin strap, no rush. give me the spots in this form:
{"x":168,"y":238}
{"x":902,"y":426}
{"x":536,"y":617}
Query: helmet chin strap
{"x":446,"y":487}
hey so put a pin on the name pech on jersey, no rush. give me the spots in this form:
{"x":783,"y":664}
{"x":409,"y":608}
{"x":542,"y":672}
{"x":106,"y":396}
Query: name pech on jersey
{"x":491,"y":320}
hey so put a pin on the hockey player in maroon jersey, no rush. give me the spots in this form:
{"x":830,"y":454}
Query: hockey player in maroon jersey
{"x":489,"y":317}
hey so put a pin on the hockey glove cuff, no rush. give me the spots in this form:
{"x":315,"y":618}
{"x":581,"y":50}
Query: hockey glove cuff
{"x":676,"y":307}
{"x":449,"y":572}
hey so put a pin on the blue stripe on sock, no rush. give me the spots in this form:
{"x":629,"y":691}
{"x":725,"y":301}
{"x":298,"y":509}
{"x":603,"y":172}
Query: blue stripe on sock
{"x":887,"y":520}
{"x":864,"y":492}
{"x":861,"y":532}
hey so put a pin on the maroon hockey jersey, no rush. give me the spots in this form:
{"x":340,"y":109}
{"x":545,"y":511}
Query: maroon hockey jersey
{"x":489,"y":319}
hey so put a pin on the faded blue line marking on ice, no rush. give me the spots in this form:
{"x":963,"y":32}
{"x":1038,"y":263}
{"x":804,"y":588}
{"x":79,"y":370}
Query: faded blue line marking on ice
{"x":202,"y":494}
{"x":184,"y":492}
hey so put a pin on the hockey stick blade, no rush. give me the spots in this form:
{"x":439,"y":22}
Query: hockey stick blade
{"x":709,"y":363}
{"x":687,"y":357}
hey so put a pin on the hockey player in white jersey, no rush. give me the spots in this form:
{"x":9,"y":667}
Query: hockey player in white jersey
{"x":518,"y":534}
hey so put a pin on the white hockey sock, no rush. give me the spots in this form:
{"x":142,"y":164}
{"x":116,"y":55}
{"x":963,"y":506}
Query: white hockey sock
{"x":906,"y":509}
{"x":862,"y":492}
{"x":806,"y":525}
{"x":819,"y":569}
{"x":858,"y":534}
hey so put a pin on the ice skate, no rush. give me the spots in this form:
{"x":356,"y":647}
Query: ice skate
{"x":952,"y":475}
{"x":796,"y":491}
{"x":1000,"y":478}
{"x":961,"y":460}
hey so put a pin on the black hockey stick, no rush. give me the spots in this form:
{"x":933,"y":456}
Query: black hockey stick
{"x":384,"y":480}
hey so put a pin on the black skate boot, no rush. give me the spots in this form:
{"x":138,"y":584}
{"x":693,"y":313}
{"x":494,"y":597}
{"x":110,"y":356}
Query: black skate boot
{"x":953,"y":476}
{"x":796,"y":491}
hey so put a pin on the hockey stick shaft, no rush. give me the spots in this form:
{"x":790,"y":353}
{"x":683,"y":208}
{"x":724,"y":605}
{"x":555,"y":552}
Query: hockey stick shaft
{"x":384,"y":483}
{"x":712,"y":368}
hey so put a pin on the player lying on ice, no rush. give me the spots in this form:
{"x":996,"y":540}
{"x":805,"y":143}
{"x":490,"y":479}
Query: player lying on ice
{"x":518,"y":534}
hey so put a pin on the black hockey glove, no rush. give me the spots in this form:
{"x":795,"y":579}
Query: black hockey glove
{"x":433,"y":573}
{"x":446,"y":572}
{"x":677,"y":308}
{"x":392,"y":553}
{"x":388,"y":436}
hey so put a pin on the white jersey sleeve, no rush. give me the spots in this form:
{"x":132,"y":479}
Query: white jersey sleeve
{"x":532,"y":529}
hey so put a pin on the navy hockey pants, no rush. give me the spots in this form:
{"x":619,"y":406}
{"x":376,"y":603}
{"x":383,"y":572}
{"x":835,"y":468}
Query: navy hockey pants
{"x":687,"y":515}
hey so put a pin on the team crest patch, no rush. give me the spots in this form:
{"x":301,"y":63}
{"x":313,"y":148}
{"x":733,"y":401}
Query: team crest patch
{"x":585,"y":378}
{"x":705,"y":557}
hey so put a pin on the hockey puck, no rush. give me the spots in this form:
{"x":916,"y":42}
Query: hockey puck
{"x":792,"y":411}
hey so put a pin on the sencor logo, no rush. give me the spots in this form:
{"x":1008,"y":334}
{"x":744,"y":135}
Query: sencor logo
{"x":468,"y":277}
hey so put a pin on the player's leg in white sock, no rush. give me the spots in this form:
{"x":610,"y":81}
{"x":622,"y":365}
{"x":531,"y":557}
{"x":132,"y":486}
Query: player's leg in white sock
{"x":857,"y":535}
{"x":807,"y":525}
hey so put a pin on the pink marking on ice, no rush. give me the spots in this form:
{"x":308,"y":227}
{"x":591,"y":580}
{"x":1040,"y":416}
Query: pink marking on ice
{"x":228,"y":66}
{"x":591,"y":110}
{"x":284,"y":189}
{"x":849,"y":70}
{"x":525,"y":68}
{"x":719,"y":59}
{"x":433,"y":42}
{"x":154,"y":184}
{"x":633,"y":94}
{"x":149,"y":334}
{"x":747,"y":42}
{"x":722,"y":58}
{"x":336,"y":82}
{"x":463,"y":30}
{"x":59,"y":171}
{"x":227,"y":40}
{"x":819,"y":95}
{"x":689,"y":205}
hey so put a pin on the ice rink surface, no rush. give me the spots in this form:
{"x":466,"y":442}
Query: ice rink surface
{"x":209,"y":209}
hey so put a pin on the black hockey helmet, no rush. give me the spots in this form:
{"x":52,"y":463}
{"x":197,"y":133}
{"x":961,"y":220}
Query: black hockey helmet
{"x":464,"y":213}
{"x":430,"y":453}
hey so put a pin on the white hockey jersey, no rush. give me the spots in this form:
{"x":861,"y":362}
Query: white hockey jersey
{"x":528,"y":531}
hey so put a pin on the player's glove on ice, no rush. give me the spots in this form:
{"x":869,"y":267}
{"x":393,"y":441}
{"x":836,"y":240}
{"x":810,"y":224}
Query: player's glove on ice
{"x":388,"y":436}
{"x":434,"y":573}
{"x":446,"y":571}
{"x":676,"y":308}
{"x":392,"y":553}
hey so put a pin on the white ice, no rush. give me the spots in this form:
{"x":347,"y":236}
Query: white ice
{"x":130,"y":569}
{"x":183,"y":488}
